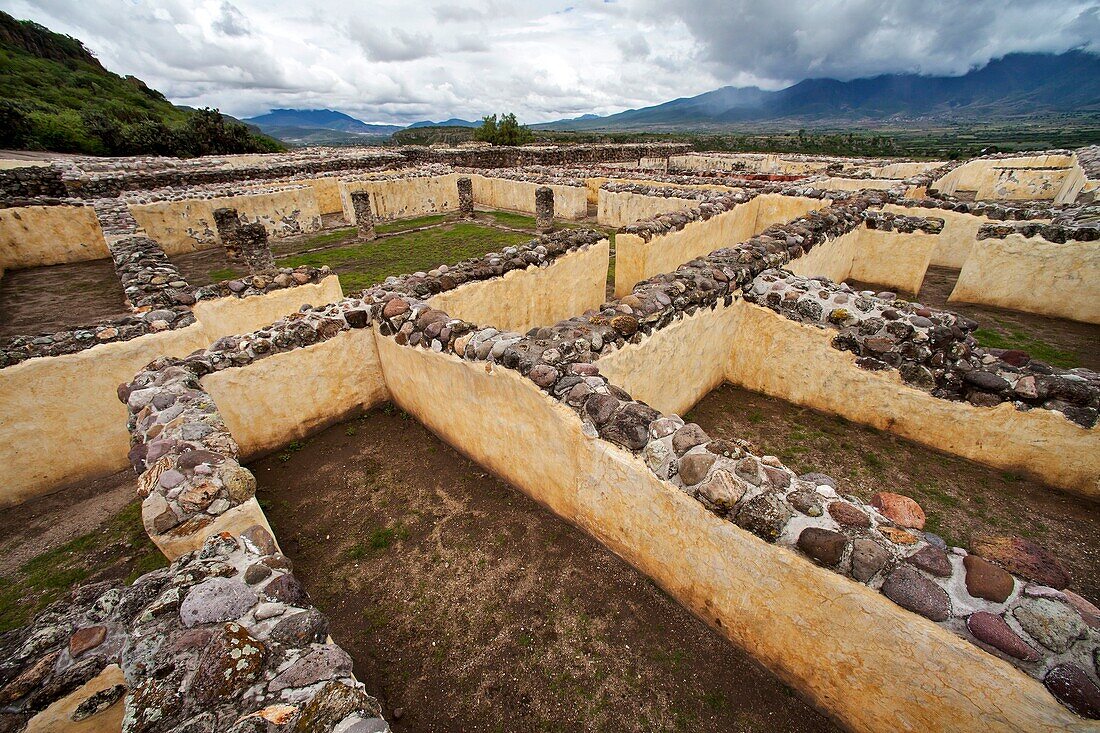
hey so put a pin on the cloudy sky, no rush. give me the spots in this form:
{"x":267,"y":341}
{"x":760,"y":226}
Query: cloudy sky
{"x":398,"y":61}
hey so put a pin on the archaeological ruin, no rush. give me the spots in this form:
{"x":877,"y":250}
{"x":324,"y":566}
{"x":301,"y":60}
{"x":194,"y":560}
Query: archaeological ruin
{"x":189,"y":321}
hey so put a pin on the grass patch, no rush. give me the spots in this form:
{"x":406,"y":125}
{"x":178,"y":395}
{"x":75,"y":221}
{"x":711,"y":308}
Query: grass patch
{"x":291,"y":448}
{"x":402,"y":225}
{"x":363,"y":264}
{"x":1019,"y":339}
{"x":378,"y":540}
{"x":224,"y":273}
{"x":48,"y":576}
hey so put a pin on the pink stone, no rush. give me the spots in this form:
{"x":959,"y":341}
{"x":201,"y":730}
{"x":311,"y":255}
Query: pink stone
{"x":899,"y":509}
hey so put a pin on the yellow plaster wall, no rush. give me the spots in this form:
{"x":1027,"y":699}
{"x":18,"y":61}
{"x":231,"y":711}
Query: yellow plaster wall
{"x":960,"y":231}
{"x":619,"y":209}
{"x":60,"y":415}
{"x":31,"y":236}
{"x":637,"y":260}
{"x":1033,"y":275}
{"x":570,"y":202}
{"x":403,"y":198}
{"x":850,"y":650}
{"x":537,"y":296}
{"x":287,"y":396}
{"x":970,"y":176}
{"x":188,"y":225}
{"x":225,"y":316}
{"x":891,"y":259}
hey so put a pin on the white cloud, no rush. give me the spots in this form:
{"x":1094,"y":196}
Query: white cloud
{"x":404,"y":60}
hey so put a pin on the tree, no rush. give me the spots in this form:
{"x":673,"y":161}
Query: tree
{"x":506,"y":131}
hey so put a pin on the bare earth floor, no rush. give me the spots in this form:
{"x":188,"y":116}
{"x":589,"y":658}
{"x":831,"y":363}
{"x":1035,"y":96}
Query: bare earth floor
{"x":59,"y":297}
{"x":960,"y":497}
{"x":467,"y":606}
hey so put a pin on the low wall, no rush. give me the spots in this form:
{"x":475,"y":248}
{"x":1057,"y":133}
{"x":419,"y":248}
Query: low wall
{"x":970,"y":176}
{"x":537,"y":296}
{"x":758,"y":163}
{"x":856,"y":184}
{"x":570,"y":202}
{"x":61,"y":418}
{"x":953,"y":244}
{"x":60,"y":415}
{"x":31,"y":236}
{"x":403,"y":198}
{"x":188,"y":225}
{"x":1033,"y":275}
{"x":1021,"y":184}
{"x":225,"y":316}
{"x":617,"y":209}
{"x":637,"y":259}
{"x":891,"y":259}
{"x":326,"y":190}
{"x":288,"y":396}
{"x":795,"y":362}
{"x":833,"y":639}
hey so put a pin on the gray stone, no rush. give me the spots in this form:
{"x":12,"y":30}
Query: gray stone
{"x":694,"y":467}
{"x":216,"y":600}
{"x":1054,"y":625}
{"x":317,"y":665}
{"x":301,"y":629}
{"x":824,"y":545}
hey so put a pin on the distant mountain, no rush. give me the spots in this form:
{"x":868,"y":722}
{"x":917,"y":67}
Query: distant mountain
{"x":453,"y":122}
{"x":317,"y":119}
{"x":1016,"y":85}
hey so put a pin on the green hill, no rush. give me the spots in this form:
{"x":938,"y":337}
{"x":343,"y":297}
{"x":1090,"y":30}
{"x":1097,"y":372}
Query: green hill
{"x":55,"y":95}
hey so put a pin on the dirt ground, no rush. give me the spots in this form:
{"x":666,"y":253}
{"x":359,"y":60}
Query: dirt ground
{"x":1062,"y":343}
{"x":59,"y":297}
{"x":960,"y":497}
{"x":467,"y":606}
{"x":79,"y":534}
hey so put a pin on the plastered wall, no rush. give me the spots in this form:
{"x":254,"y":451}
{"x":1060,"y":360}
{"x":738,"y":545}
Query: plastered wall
{"x":188,"y":225}
{"x":60,"y":415}
{"x":751,"y":163}
{"x":619,"y":209}
{"x":31,"y":236}
{"x":1021,"y":184}
{"x":637,"y":259}
{"x":970,"y":176}
{"x":953,"y":244}
{"x":537,"y":296}
{"x":570,"y":202}
{"x":834,"y":640}
{"x":288,"y":396}
{"x":1033,"y":275}
{"x":835,"y":183}
{"x":403,"y":198}
{"x":768,"y":353}
{"x":889,"y":259}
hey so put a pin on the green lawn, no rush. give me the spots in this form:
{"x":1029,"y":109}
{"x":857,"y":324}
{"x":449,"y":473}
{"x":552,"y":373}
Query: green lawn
{"x":118,"y":549}
{"x":362,"y":264}
{"x":447,"y":241}
{"x":1008,"y":337}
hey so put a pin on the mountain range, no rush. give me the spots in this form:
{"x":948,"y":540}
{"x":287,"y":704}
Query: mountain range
{"x":1016,"y":85}
{"x":329,"y":127}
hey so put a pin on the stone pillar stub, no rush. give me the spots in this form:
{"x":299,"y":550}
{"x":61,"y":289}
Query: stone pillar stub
{"x":544,"y":209}
{"x":364,"y":215}
{"x":466,"y":198}
{"x":244,"y":243}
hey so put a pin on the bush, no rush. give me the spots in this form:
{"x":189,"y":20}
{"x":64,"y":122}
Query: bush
{"x":507,"y":131}
{"x":15,"y":125}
